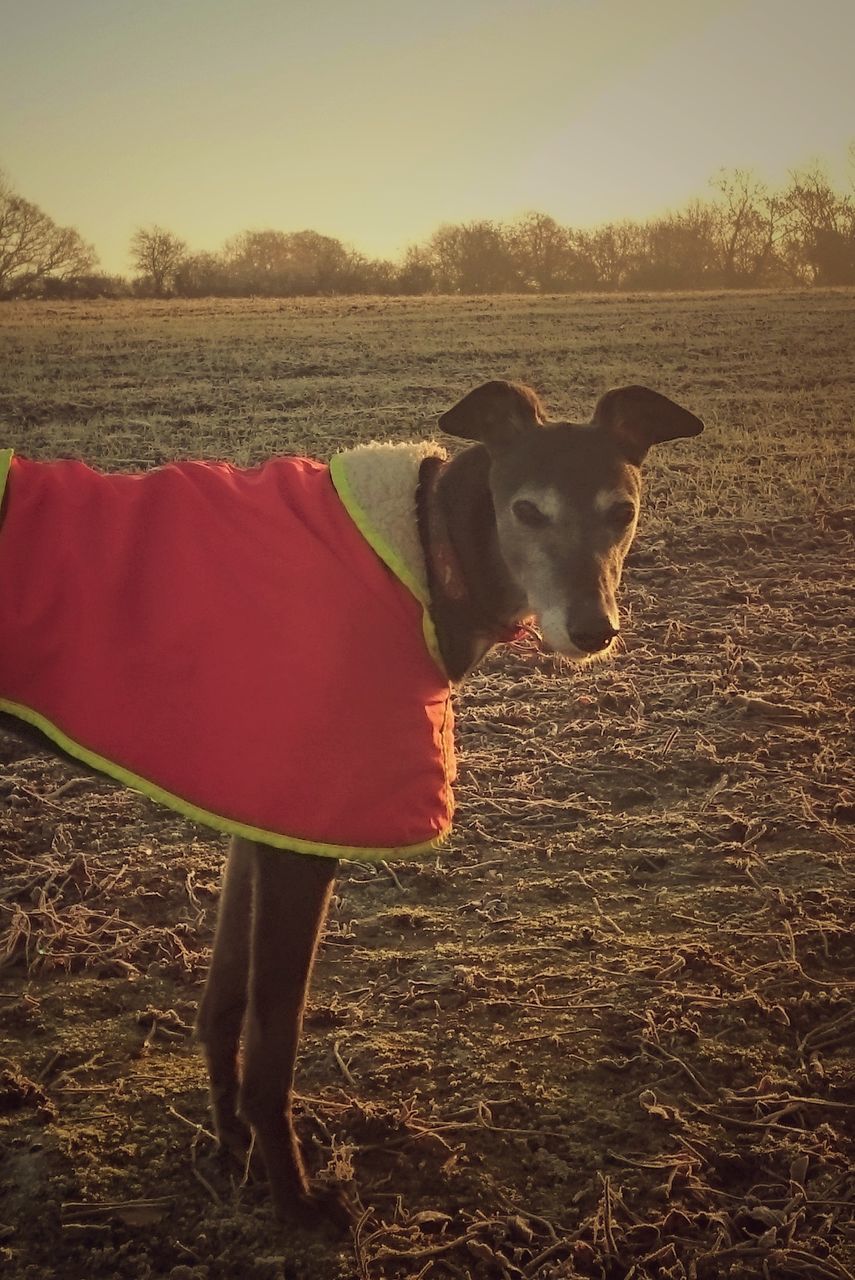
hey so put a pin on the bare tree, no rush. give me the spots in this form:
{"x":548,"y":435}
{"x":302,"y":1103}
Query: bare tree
{"x":202,"y":275}
{"x":416,"y":275}
{"x":821,"y":226}
{"x":543,"y":253}
{"x":678,"y":250}
{"x":471,"y":257}
{"x":751,"y":224}
{"x":34,"y":249}
{"x":282,"y":263}
{"x":613,"y":251}
{"x":157,"y":255}
{"x":258,"y":261}
{"x":318,"y":263}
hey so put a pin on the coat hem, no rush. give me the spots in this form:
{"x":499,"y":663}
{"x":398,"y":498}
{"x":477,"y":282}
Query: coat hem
{"x":229,"y":826}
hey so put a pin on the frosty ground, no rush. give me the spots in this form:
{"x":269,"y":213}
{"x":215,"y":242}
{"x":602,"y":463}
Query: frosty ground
{"x":609,"y":1031}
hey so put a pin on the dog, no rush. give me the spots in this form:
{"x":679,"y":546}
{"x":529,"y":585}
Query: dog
{"x":169,"y":650}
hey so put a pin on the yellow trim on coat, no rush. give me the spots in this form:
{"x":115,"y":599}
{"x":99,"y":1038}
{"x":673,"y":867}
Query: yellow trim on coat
{"x":6,"y":456}
{"x":227,"y":825}
{"x":387,"y":554}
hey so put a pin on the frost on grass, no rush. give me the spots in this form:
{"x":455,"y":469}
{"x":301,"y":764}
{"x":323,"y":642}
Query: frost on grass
{"x":609,"y":1031}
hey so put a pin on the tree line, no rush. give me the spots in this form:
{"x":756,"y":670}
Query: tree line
{"x":745,"y":236}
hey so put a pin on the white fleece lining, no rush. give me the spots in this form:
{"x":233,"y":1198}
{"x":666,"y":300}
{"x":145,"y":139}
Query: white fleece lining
{"x":383,"y":480}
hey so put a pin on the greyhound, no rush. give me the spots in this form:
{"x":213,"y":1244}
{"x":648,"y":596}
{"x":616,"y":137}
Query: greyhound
{"x":534,"y":519}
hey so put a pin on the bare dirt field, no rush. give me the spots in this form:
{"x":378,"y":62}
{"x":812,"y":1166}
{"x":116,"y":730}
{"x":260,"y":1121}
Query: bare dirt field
{"x":609,"y":1032}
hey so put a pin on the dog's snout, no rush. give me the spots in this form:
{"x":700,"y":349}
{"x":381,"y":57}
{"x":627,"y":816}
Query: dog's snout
{"x":594,"y":640}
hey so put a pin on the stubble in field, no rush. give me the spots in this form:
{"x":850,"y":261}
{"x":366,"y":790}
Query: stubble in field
{"x":609,"y":1031}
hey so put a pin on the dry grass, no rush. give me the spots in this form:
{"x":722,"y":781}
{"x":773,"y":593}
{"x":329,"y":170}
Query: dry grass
{"x":609,"y":1033}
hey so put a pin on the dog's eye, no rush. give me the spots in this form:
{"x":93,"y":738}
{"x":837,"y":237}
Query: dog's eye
{"x":529,"y":513}
{"x":622,"y":515}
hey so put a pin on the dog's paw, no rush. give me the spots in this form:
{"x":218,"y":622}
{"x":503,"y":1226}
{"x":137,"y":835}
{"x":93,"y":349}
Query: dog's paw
{"x":234,"y":1140}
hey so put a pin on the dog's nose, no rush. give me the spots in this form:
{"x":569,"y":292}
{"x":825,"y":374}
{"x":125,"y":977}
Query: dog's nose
{"x":595,"y":640}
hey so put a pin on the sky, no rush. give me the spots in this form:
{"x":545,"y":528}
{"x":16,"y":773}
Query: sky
{"x":376,"y":121}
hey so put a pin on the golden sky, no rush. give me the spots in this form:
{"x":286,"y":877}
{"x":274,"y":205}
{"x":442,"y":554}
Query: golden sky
{"x":377,"y":120}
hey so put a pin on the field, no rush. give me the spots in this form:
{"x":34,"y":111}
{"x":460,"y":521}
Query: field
{"x":609,"y":1032}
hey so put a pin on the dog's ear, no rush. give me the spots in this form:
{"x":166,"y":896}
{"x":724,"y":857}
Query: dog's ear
{"x":638,"y":417}
{"x":494,"y":413}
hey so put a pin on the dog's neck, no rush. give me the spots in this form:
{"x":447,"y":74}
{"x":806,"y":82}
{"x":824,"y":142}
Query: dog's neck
{"x":474,"y":601}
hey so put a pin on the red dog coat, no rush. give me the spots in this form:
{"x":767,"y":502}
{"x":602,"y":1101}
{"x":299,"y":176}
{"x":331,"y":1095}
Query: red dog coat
{"x":241,"y":645}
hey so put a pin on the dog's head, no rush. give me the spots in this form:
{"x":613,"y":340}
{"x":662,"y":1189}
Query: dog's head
{"x":566,"y":499}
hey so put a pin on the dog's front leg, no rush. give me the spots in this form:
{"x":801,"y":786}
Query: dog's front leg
{"x":223,"y":1007}
{"x":291,"y":898}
